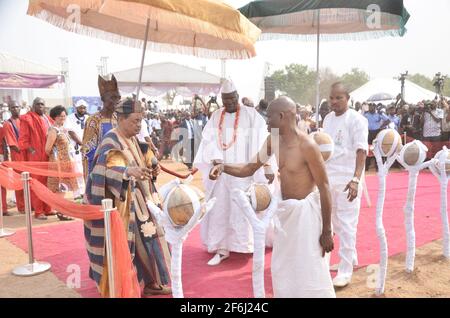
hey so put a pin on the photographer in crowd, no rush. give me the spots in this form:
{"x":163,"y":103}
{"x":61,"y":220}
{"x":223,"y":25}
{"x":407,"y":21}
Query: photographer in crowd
{"x":410,"y":122}
{"x":431,"y":122}
{"x":445,"y":121}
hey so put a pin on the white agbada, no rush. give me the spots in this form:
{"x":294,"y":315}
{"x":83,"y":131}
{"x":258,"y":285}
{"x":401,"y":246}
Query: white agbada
{"x":298,"y":268}
{"x":350,"y":133}
{"x":75,"y":124}
{"x":143,"y":133}
{"x":226,"y":227}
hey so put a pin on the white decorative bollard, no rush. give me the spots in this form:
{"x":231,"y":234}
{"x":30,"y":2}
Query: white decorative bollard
{"x":441,"y":169}
{"x":176,"y":234}
{"x":387,"y":144}
{"x":412,"y":157}
{"x":248,"y":203}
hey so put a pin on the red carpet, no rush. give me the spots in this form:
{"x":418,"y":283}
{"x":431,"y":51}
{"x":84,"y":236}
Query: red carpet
{"x":63,"y":245}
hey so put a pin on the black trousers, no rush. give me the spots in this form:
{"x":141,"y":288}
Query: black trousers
{"x":190,"y":155}
{"x":372,"y":135}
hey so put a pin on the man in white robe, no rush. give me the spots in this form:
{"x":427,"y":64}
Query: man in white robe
{"x":349,"y":131}
{"x":75,"y":124}
{"x":234,"y":134}
{"x":303,"y":236}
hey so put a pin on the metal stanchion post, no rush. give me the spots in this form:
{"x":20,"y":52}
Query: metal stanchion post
{"x":3,"y":232}
{"x":107,"y":205}
{"x":33,"y":267}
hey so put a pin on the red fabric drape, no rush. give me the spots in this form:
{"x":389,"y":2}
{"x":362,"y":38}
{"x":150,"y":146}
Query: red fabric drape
{"x":76,"y":210}
{"x":126,"y":283}
{"x":125,"y":277}
{"x":10,"y":179}
{"x":48,"y":169}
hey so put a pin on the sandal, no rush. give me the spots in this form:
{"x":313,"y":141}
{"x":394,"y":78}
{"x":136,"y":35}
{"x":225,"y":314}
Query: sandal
{"x":41,"y":217}
{"x":62,"y":217}
{"x":162,"y":290}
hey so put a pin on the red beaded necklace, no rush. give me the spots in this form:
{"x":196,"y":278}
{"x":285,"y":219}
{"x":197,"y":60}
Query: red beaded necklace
{"x":236,"y":122}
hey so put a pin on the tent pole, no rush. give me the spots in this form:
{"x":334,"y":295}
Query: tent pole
{"x":223,"y":68}
{"x":317,"y":69}
{"x":142,"y":60}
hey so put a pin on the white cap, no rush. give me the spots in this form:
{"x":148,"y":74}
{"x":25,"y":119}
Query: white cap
{"x":228,"y":87}
{"x":81,"y":102}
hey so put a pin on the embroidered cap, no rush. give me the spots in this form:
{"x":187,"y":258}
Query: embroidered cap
{"x":129,"y":106}
{"x":228,"y":87}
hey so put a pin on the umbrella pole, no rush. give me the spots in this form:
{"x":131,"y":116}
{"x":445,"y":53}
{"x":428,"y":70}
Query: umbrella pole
{"x":317,"y":69}
{"x":143,"y":58}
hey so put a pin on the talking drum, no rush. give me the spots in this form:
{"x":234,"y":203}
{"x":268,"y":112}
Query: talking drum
{"x":413,"y":153}
{"x":325,"y":143}
{"x":260,"y":197}
{"x":389,"y":142}
{"x":181,"y":203}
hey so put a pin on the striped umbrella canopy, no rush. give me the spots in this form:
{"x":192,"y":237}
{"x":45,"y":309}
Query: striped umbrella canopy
{"x":204,"y":28}
{"x":327,"y":20}
{"x":339,"y":19}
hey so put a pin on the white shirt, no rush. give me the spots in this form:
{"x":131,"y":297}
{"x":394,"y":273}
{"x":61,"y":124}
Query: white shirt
{"x":190,"y":129}
{"x":144,"y":131}
{"x":430,"y":127}
{"x":349,"y":133}
{"x":156,"y":124}
{"x":74,"y":124}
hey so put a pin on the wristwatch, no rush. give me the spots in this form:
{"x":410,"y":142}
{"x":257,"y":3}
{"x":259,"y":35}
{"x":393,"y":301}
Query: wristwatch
{"x":355,"y":180}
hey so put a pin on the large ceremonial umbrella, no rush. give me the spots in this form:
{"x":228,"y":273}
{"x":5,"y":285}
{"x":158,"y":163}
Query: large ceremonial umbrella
{"x":327,"y":20}
{"x":204,"y":28}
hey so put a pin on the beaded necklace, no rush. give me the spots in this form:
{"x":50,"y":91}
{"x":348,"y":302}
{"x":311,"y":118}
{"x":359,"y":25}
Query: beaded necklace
{"x":223,"y":145}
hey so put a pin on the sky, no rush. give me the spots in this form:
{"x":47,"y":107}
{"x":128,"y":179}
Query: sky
{"x":424,"y":49}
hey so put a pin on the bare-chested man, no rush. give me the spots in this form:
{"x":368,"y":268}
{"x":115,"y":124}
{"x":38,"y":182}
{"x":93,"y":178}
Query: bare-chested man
{"x":299,"y":266}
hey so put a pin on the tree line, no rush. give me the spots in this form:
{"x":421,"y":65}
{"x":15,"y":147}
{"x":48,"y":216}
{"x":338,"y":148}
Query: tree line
{"x":299,"y":82}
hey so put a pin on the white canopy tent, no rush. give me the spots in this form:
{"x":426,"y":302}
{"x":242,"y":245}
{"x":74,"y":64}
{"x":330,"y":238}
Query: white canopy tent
{"x":159,"y":78}
{"x":13,"y":64}
{"x":413,"y":92}
{"x":20,"y":77}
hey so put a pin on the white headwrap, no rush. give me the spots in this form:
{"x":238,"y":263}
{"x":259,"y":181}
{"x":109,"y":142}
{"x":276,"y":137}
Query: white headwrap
{"x":81,"y":102}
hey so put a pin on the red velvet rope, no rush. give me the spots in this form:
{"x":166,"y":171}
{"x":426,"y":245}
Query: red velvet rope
{"x":48,"y":169}
{"x":9,"y":179}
